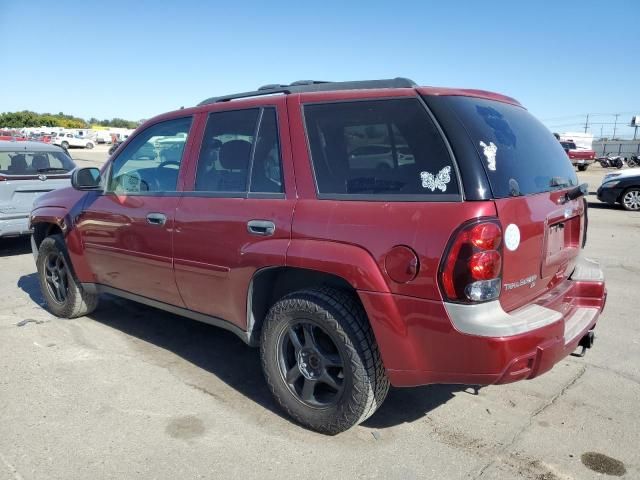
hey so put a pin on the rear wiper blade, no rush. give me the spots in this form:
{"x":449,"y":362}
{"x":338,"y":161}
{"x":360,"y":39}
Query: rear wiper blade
{"x":52,"y":169}
{"x":559,"y":182}
{"x":575,"y":192}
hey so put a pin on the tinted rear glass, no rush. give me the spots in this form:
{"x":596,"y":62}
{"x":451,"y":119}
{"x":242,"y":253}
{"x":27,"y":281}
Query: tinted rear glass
{"x":34,"y":163}
{"x":517,"y":151}
{"x":379,"y":149}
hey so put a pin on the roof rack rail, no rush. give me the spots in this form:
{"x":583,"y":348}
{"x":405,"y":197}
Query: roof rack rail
{"x":301,"y":86}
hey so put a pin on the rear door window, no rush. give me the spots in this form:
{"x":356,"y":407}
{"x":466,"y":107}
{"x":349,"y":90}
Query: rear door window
{"x":240,"y":153}
{"x":381,"y":149}
{"x":520,"y":155}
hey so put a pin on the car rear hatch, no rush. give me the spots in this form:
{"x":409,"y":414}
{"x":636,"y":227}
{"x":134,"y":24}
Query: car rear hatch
{"x":24,"y":175}
{"x":18,"y":193}
{"x":525,"y":170}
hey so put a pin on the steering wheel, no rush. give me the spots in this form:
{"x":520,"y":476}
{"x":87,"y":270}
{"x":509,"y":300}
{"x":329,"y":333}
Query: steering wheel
{"x":130,"y":182}
{"x":169,"y":162}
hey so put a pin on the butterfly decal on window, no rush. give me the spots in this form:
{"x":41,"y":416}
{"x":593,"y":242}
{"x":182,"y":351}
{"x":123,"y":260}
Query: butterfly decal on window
{"x":439,"y":181}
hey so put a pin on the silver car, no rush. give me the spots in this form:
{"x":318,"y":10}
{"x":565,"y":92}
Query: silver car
{"x":28,"y":169}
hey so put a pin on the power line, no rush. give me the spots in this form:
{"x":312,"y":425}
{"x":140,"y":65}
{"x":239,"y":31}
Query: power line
{"x":584,"y":114}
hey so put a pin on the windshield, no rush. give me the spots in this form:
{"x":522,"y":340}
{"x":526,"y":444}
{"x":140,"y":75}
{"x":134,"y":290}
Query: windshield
{"x":519,"y":154}
{"x":34,"y":163}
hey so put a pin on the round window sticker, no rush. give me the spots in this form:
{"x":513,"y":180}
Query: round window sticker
{"x":512,"y":237}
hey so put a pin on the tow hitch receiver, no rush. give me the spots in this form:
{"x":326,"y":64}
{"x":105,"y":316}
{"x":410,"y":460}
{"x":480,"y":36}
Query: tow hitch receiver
{"x":585,"y":342}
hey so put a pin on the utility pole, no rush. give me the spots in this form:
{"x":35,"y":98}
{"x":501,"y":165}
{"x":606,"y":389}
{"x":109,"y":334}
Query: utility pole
{"x":615,"y":124}
{"x":586,"y":124}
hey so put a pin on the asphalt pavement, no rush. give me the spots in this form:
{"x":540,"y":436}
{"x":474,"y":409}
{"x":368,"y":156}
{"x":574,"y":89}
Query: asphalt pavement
{"x":133,"y":392}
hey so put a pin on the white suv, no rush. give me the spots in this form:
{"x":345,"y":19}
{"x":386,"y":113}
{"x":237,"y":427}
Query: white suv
{"x":66,"y":140}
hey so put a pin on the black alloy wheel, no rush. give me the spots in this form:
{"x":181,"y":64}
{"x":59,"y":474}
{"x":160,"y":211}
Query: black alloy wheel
{"x":311,"y":364}
{"x":57,"y":277}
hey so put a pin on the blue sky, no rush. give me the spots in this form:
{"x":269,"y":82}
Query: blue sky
{"x":138,"y":59}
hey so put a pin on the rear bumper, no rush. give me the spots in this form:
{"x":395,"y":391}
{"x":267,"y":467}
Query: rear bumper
{"x":420,"y":343}
{"x":14,"y":227}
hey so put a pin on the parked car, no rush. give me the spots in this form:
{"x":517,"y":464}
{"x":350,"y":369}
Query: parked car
{"x":103,"y":136}
{"x":580,"y":158}
{"x":9,"y":135}
{"x":379,"y":156}
{"x":461,"y":264}
{"x":27,"y":170}
{"x":623,"y":188}
{"x":68,"y":140}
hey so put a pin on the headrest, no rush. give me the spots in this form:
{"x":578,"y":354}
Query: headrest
{"x":234,"y":155}
{"x":40,"y":161}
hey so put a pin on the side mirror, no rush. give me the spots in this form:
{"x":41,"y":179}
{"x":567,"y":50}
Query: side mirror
{"x":86,"y":179}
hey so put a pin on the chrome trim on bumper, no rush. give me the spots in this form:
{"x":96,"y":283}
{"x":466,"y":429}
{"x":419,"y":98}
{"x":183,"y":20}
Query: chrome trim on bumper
{"x":577,"y":322}
{"x":490,"y":320}
{"x":587,"y":270}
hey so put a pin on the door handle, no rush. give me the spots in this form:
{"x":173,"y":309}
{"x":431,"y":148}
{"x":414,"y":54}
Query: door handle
{"x":264,"y":228}
{"x":158,"y":219}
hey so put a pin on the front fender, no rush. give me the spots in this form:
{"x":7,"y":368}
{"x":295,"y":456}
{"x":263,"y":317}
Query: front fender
{"x":64,"y":220}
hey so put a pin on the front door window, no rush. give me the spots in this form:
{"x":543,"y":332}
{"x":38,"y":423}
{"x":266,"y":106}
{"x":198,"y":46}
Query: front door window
{"x":150,"y":163}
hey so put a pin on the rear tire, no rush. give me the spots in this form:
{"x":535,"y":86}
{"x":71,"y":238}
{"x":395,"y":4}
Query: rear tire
{"x":64,"y":295}
{"x":64,"y":145}
{"x":630,"y":199}
{"x":321,"y":360}
{"x":89,"y":145}
{"x":582,"y":168}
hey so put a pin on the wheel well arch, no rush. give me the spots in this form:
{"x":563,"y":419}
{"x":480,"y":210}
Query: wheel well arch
{"x":44,"y":229}
{"x":268,"y":285}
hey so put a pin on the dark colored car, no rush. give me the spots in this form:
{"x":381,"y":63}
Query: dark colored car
{"x":449,"y":252}
{"x":622,"y":188}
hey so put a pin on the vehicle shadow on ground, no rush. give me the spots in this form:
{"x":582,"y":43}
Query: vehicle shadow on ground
{"x":224,"y":355}
{"x":603,"y":206}
{"x":15,"y":246}
{"x":406,"y":405}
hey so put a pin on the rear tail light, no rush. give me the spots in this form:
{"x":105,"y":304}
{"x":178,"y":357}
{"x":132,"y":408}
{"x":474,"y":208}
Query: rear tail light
{"x":471,"y":270}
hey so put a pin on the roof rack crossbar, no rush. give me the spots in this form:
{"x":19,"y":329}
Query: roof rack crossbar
{"x":301,"y":86}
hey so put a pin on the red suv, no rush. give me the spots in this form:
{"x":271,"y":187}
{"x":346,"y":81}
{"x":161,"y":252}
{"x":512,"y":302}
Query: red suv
{"x":360,"y":233}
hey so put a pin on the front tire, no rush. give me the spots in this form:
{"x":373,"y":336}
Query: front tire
{"x":321,"y":360}
{"x":64,"y":296}
{"x":64,"y":145}
{"x":631,"y":199}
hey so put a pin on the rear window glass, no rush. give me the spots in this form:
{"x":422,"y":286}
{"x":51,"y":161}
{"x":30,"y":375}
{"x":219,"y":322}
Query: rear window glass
{"x":519,"y":154}
{"x":34,"y":163}
{"x":382,"y":148}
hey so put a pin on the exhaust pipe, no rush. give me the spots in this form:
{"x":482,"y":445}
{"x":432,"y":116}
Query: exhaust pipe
{"x":585,"y":342}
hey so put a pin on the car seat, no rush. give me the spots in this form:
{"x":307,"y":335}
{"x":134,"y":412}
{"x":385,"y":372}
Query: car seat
{"x":234,"y":158}
{"x":40,"y":162}
{"x":18,"y":165}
